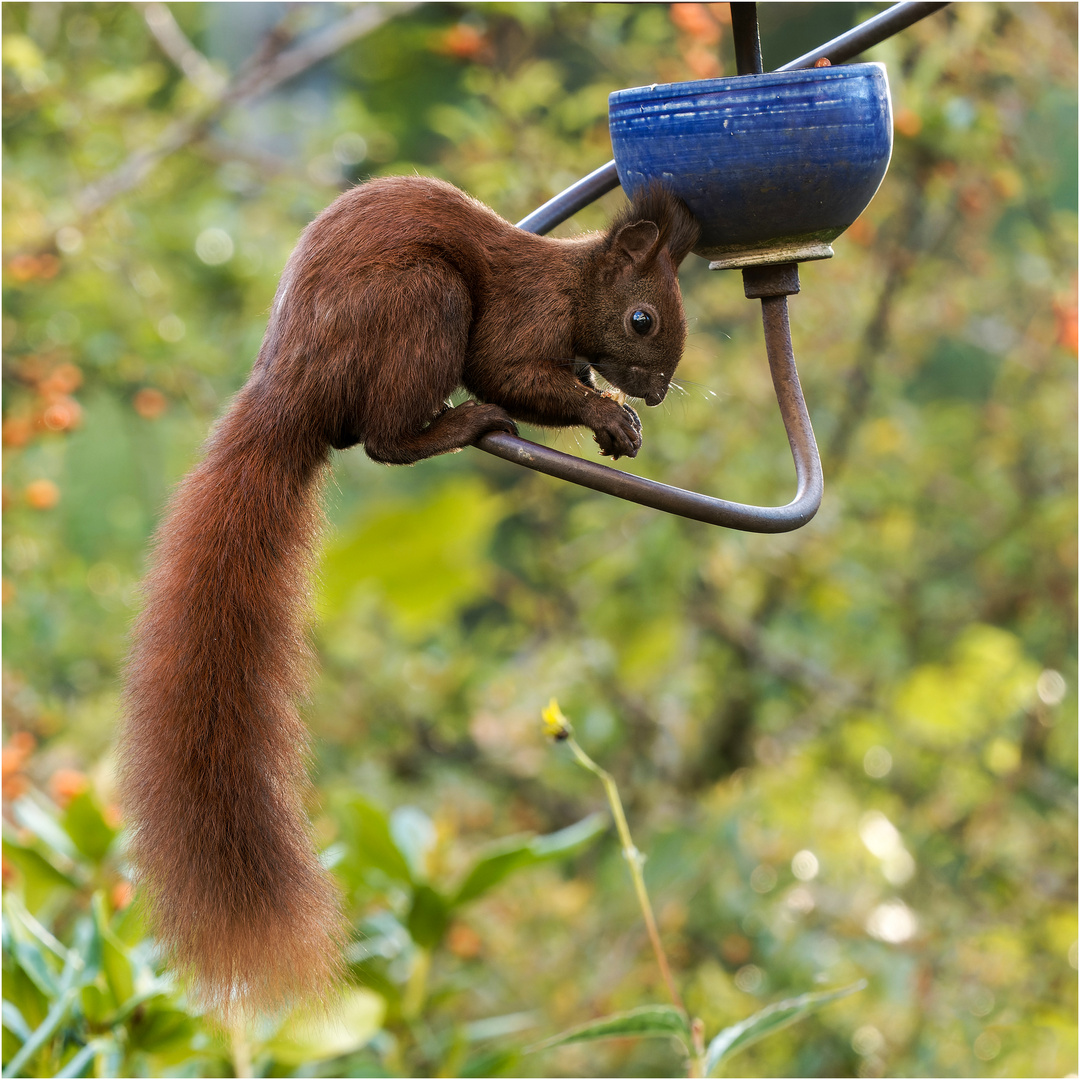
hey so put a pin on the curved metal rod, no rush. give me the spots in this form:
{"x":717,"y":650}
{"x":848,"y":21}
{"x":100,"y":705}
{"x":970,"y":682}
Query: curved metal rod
{"x":691,"y":504}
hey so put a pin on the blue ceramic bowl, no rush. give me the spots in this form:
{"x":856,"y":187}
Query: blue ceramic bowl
{"x":773,"y":166}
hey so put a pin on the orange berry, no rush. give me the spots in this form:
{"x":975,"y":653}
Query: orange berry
{"x":16,"y":786}
{"x":65,"y":379}
{"x":42,"y":494}
{"x":24,"y":741}
{"x":65,"y":784}
{"x":122,"y":894}
{"x":463,"y":941}
{"x":823,"y":61}
{"x":150,"y":403}
{"x":1066,"y":315}
{"x":463,"y":41}
{"x":63,"y":414}
{"x":702,"y":61}
{"x":19,"y":748}
{"x":907,"y":122}
{"x":696,"y":20}
{"x":23,"y":267}
{"x":17,"y":431}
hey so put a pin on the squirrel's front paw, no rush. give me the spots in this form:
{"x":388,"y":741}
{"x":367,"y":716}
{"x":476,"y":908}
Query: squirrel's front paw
{"x":619,"y":433}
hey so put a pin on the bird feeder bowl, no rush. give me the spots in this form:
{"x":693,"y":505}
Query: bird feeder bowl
{"x":774,"y":167}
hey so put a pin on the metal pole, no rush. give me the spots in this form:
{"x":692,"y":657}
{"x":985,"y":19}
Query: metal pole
{"x":747,"y":37}
{"x":865,"y":35}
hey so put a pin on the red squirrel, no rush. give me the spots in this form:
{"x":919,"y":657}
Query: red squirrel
{"x":401,"y":291}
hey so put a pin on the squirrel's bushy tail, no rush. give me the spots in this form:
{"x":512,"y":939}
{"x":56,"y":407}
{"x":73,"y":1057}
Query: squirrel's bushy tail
{"x":213,"y":752}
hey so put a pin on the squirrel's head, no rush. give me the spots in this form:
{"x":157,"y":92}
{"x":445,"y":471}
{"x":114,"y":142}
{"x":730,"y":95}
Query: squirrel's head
{"x":632,"y":328}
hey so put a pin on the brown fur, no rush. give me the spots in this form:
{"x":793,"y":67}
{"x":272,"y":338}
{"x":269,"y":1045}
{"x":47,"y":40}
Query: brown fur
{"x":399,"y":292}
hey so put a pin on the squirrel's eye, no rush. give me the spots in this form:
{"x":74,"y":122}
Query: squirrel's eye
{"x":641,"y":321}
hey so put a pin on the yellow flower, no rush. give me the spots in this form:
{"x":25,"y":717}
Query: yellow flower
{"x":555,"y":724}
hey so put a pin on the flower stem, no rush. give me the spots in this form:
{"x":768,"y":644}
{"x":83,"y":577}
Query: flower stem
{"x":634,"y":860}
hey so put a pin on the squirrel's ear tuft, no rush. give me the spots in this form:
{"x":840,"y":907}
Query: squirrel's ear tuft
{"x":677,"y":230}
{"x":638,"y":240}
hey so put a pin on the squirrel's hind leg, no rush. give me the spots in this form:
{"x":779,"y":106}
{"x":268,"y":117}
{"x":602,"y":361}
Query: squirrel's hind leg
{"x":427,"y":333}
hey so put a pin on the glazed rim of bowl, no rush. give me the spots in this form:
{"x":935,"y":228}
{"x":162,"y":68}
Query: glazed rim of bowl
{"x":695,"y":87}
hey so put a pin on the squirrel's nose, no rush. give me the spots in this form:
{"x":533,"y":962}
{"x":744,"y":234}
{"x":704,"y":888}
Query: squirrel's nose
{"x":654,"y":397}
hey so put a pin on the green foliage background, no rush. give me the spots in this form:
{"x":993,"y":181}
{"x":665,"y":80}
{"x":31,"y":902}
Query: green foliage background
{"x":847,"y":752}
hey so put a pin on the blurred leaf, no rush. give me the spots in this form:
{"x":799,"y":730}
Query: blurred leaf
{"x":164,"y":1029}
{"x":428,"y":917}
{"x":30,"y":958}
{"x":105,"y":952}
{"x":374,"y":844}
{"x":428,"y":559}
{"x":84,"y":824}
{"x":516,"y":853}
{"x":44,"y":1032}
{"x":31,"y":816}
{"x":414,"y":836}
{"x":14,"y":1022}
{"x":79,"y":1063}
{"x":491,"y":1063}
{"x":42,"y":879}
{"x":353,"y":1021}
{"x":768,"y":1020}
{"x":97,"y":1006}
{"x":649,"y":1020}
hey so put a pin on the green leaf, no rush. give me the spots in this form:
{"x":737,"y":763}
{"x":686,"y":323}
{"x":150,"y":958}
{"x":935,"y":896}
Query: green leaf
{"x":44,"y":826}
{"x":162,"y":1030}
{"x":490,"y":870}
{"x":770,"y":1019}
{"x":491,"y":1063}
{"x":78,"y":1064}
{"x":566,"y":841}
{"x":374,"y":846}
{"x":41,"y":879}
{"x":43,"y":1033}
{"x":427,"y":559}
{"x":352,"y":1022}
{"x":114,"y":959}
{"x":96,"y":1004}
{"x":428,"y":917}
{"x":85,"y":825}
{"x":31,"y":959}
{"x":413,"y":833}
{"x":649,"y":1020}
{"x":516,"y":853}
{"x":14,"y":1022}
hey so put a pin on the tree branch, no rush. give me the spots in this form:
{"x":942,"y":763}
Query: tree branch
{"x":273,"y":68}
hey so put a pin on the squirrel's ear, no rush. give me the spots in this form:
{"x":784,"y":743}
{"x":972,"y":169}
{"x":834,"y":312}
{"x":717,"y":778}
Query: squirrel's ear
{"x":638,"y":240}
